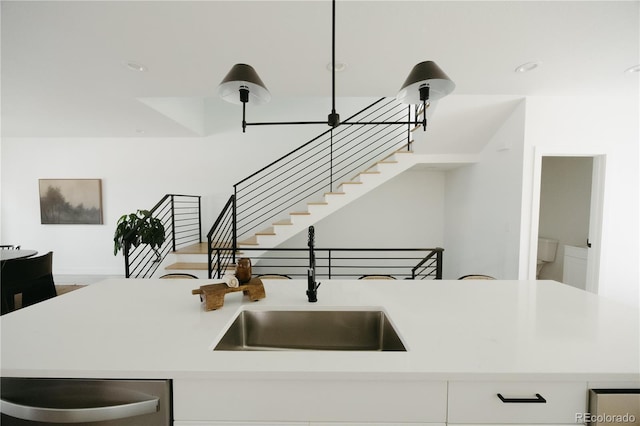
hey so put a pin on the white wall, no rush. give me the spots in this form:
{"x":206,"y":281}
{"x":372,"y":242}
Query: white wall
{"x":482,"y":207}
{"x":607,"y":126}
{"x":490,"y":220}
{"x":136,"y":173}
{"x":405,"y":212}
{"x":490,"y":205}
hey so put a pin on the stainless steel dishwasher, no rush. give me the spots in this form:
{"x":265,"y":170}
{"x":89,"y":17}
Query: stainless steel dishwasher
{"x":27,"y":401}
{"x":614,"y":407}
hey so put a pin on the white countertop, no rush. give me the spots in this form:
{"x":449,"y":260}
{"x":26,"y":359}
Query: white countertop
{"x":453,"y":330}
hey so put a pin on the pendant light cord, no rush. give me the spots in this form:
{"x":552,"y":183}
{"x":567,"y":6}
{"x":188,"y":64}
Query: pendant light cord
{"x":334,"y":119}
{"x":333,"y":58}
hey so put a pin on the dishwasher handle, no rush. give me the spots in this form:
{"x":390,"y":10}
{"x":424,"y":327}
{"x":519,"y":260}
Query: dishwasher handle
{"x":148,"y":405}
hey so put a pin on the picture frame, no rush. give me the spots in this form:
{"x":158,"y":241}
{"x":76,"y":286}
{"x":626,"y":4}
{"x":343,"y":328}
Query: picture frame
{"x":70,"y":201}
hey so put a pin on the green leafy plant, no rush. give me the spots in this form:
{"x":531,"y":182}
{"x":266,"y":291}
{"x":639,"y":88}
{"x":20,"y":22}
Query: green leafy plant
{"x":146,"y":230}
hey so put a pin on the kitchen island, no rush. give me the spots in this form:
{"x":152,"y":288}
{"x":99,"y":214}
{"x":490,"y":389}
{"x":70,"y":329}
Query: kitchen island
{"x":466,"y":341}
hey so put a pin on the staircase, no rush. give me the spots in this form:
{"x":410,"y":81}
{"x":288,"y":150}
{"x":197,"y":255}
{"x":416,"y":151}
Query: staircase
{"x":346,"y":192}
{"x":193,"y":259}
{"x":306,"y":185}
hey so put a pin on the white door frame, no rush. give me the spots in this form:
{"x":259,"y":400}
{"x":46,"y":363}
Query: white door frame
{"x":595,"y":219}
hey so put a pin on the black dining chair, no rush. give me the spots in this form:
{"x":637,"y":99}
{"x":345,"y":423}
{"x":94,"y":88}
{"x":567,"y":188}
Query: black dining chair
{"x":32,"y":277}
{"x":176,"y":275}
{"x":274,"y":277}
{"x":476,"y":277}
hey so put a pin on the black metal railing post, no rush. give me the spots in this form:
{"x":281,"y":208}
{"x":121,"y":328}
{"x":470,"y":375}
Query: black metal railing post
{"x":200,"y":219}
{"x":331,"y":163}
{"x":126,"y":248}
{"x":428,"y":263}
{"x":209,"y":257}
{"x":409,"y":129}
{"x":173,"y":223}
{"x":234,"y":215}
{"x":216,"y":265}
{"x":219,"y":263}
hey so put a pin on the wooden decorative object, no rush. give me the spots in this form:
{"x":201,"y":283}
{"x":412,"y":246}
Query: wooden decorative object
{"x":212,"y":295}
{"x":243,"y":270}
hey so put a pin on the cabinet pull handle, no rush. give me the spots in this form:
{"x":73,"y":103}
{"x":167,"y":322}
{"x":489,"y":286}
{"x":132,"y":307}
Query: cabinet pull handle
{"x":537,"y":400}
{"x":79,"y":415}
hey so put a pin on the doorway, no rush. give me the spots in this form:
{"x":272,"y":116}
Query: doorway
{"x":569,"y":213}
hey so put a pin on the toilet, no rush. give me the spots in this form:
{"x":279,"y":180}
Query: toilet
{"x":547,"y":248}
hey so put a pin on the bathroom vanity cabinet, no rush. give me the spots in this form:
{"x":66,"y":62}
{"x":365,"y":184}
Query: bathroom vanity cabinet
{"x":574,"y":271}
{"x":467,"y":341}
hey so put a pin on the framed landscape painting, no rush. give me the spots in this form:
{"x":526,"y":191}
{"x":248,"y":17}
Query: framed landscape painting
{"x":70,"y":201}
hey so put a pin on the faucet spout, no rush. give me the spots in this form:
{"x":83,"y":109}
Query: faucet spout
{"x":312,"y":286}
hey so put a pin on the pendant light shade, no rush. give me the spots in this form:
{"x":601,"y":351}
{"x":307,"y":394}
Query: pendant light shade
{"x":243,"y":76}
{"x":425,"y":74}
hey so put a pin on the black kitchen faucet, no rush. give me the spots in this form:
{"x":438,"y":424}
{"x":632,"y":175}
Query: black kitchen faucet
{"x":312,"y":286}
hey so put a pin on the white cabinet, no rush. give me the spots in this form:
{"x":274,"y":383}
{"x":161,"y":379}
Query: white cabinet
{"x":375,"y":402}
{"x":214,"y":423}
{"x":374,"y":424}
{"x":210,"y":423}
{"x":346,"y":401}
{"x":518,"y":403}
{"x":574,"y":271}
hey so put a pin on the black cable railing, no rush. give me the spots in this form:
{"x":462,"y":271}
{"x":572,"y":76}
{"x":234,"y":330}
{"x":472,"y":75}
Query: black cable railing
{"x":346,"y":263}
{"x":318,"y":166}
{"x":221,"y":240}
{"x":182,"y":220}
{"x":432,"y":263}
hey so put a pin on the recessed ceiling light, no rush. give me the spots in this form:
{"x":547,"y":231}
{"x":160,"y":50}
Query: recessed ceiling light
{"x":635,"y":68}
{"x":529,"y":66}
{"x":134,"y":66}
{"x":338,"y":66}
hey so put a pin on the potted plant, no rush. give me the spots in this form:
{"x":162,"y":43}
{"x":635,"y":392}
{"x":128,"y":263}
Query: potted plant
{"x":139,"y":228}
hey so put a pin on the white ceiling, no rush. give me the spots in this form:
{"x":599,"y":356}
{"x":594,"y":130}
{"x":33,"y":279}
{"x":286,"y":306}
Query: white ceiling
{"x":64,"y":68}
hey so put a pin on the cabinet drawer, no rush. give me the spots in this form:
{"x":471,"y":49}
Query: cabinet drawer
{"x":318,"y":400}
{"x":522,"y":402}
{"x":211,"y":423}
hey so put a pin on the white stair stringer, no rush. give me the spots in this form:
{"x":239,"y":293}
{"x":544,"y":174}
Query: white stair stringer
{"x":345,"y":193}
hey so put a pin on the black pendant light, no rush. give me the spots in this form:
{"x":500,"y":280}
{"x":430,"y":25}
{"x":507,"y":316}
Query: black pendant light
{"x":425,"y":82}
{"x":244,"y":79}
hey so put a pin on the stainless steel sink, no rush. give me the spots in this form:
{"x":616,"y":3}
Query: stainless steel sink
{"x":311,"y":330}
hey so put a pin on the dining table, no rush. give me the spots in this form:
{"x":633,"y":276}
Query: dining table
{"x":16,"y":254}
